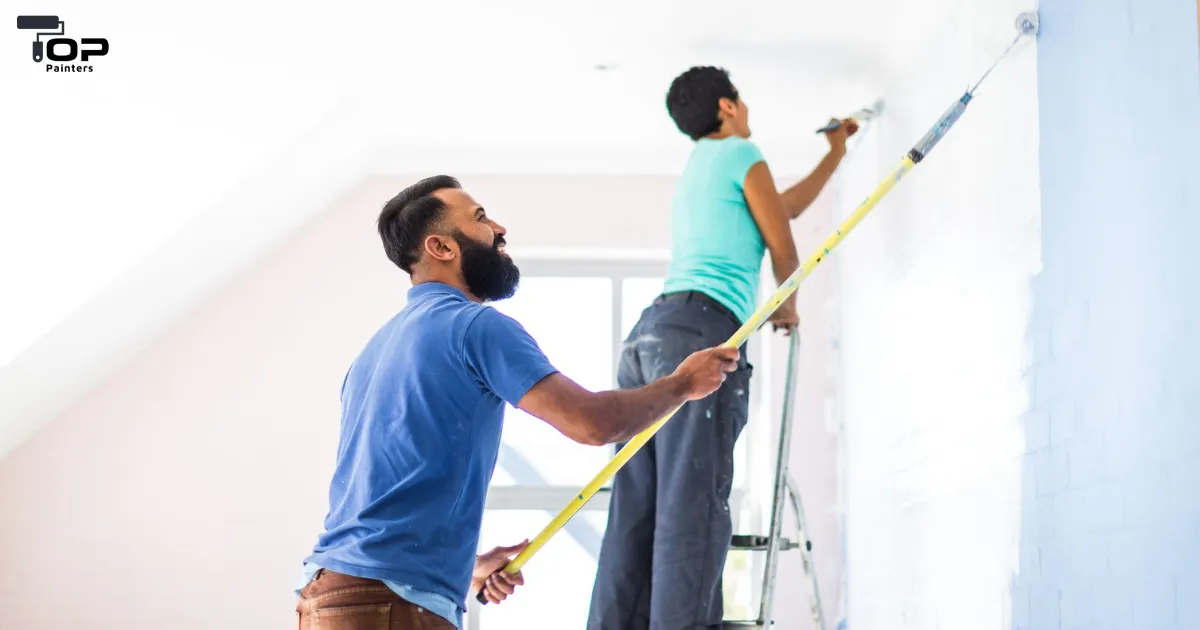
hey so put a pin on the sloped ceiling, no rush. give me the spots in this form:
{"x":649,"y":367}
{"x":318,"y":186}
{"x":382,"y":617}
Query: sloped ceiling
{"x":210,"y":131}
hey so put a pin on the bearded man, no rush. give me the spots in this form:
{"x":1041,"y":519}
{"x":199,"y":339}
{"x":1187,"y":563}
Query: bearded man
{"x":422,"y":412}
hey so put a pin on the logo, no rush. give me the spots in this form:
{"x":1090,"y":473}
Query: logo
{"x":61,"y":51}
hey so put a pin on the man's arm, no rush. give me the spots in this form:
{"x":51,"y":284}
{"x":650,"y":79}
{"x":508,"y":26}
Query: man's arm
{"x":509,"y":362}
{"x":598,"y":418}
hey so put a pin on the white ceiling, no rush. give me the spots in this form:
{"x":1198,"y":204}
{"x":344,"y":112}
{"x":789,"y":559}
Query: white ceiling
{"x":192,"y":140}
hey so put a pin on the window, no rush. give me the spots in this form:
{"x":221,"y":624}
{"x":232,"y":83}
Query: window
{"x":571,"y":319}
{"x":636,"y":295}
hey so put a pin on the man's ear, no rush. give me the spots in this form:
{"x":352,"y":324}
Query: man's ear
{"x":440,"y":247}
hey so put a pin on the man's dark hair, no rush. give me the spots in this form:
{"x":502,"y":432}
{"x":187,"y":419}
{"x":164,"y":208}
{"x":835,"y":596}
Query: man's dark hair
{"x":408,"y":218}
{"x":694,"y":100}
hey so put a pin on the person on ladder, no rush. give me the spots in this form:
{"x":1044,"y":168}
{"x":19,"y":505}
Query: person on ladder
{"x":669,"y":525}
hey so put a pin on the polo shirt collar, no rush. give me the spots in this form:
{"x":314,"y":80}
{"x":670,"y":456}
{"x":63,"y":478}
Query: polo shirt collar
{"x":433,"y":288}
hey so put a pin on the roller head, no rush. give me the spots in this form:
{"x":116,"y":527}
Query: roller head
{"x":38,"y":22}
{"x":864,"y":114}
{"x":1027,"y":23}
{"x":869,"y":112}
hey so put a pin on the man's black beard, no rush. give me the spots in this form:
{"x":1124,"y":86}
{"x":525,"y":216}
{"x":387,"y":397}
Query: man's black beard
{"x":490,"y":275}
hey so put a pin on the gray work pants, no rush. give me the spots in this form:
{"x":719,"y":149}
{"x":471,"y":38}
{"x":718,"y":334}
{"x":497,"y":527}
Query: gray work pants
{"x":669,"y":524}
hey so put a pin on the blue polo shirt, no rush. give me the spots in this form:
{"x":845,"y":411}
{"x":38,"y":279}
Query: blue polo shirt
{"x":422,"y":410}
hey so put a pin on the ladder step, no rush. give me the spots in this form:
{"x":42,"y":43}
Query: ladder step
{"x":749,"y":542}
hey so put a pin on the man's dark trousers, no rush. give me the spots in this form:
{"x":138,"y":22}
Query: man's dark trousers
{"x":669,"y":524}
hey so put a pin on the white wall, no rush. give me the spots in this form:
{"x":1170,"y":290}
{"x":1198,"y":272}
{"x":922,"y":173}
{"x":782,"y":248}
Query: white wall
{"x":935,"y":304}
{"x":184,"y":491}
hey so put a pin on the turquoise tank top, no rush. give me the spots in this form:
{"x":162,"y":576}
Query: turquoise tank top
{"x":716,"y":247}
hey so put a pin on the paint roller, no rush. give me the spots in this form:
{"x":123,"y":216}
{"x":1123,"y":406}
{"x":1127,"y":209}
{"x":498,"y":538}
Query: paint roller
{"x":48,"y":24}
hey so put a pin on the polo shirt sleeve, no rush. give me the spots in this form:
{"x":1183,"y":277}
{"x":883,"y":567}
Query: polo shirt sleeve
{"x":504,"y":357}
{"x":739,"y":157}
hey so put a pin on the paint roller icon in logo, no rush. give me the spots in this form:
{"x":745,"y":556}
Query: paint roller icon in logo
{"x":47,"y":24}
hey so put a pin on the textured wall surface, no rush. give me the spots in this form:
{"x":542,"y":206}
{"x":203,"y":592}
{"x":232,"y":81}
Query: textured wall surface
{"x":1024,"y":426}
{"x":1110,"y":513}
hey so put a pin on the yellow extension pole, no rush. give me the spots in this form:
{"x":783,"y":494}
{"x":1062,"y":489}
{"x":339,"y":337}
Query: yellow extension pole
{"x":785,"y":290}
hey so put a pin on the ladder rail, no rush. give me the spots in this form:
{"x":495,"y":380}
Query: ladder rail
{"x":775,"y":533}
{"x":810,"y":568}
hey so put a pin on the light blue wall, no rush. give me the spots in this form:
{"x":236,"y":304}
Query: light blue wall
{"x":1110,"y":534}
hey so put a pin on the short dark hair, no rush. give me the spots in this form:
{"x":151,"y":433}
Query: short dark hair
{"x":694,"y":100}
{"x":408,"y":217}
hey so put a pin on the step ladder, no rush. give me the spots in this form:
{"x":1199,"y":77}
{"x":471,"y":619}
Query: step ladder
{"x":785,"y":491}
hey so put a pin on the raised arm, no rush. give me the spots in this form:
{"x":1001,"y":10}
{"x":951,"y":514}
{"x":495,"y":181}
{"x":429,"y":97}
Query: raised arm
{"x":598,"y":418}
{"x":800,"y":195}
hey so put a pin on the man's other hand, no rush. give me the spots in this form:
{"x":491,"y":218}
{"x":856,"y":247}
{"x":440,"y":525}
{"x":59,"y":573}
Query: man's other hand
{"x":490,"y":576}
